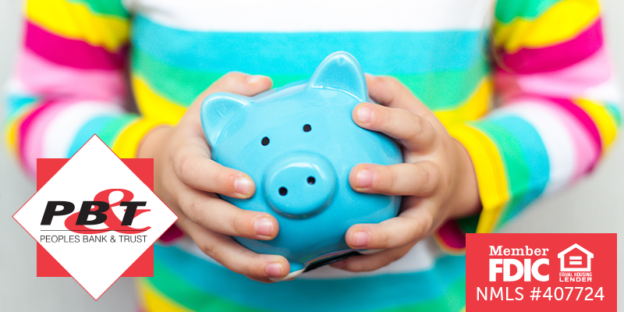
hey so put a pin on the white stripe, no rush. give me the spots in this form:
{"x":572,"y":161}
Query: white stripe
{"x":576,"y":258}
{"x":609,"y":91}
{"x":559,"y":145}
{"x":61,"y":131}
{"x":576,"y":262}
{"x":318,"y":15}
{"x":420,"y":258}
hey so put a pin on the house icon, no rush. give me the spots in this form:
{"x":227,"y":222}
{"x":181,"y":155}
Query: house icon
{"x":575,"y":259}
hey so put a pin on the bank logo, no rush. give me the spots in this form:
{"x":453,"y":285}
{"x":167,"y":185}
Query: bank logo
{"x":94,"y":217}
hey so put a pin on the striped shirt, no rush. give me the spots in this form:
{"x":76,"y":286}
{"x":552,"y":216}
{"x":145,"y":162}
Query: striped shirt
{"x":525,"y":85}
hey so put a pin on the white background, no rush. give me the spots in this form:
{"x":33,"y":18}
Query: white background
{"x":592,"y":205}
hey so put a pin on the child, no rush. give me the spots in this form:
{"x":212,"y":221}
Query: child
{"x":481,"y":139}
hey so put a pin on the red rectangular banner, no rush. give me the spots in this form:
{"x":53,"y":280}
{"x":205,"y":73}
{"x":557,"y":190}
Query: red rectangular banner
{"x":541,"y":272}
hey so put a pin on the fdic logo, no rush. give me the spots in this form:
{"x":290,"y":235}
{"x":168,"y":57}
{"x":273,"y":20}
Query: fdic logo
{"x":98,"y":209}
{"x":528,"y":268}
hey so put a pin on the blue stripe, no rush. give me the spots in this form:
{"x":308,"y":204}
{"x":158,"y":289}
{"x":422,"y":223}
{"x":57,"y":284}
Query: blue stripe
{"x":300,"y":53}
{"x":15,"y":102}
{"x":87,"y":131}
{"x":352,"y":294}
{"x":535,"y":156}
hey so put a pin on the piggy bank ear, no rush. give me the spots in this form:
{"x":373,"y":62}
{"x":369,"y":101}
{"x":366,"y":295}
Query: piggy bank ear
{"x":341,"y":71}
{"x":217,"y":109}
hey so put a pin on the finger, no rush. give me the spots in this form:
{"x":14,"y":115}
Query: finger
{"x":235,"y":82}
{"x":240,"y":83}
{"x":195,"y":169}
{"x":405,"y":179}
{"x":367,"y":263}
{"x":414,"y":132}
{"x":222,"y":217}
{"x":410,"y":226}
{"x":389,"y":92}
{"x":234,"y":256}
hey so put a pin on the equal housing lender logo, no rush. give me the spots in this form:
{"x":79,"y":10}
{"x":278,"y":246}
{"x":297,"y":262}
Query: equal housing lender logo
{"x":541,"y":272}
{"x":95,"y":217}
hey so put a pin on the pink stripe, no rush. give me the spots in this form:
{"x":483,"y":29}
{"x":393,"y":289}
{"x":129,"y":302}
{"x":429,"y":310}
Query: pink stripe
{"x":452,"y":235}
{"x":586,"y":123}
{"x":171,"y":235}
{"x":24,"y":128}
{"x":33,"y":136}
{"x":51,"y":80}
{"x":69,"y":52}
{"x":586,"y":151}
{"x":572,"y":80}
{"x":528,"y":61}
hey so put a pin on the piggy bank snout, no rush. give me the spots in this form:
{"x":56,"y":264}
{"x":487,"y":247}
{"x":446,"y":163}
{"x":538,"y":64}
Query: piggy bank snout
{"x":300,"y":185}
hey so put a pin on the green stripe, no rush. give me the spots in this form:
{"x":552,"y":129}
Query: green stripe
{"x":507,"y":10}
{"x":105,"y":7}
{"x":446,"y":90}
{"x":516,"y":169}
{"x":438,"y":90}
{"x":113,"y":129}
{"x":189,"y":296}
{"x":614,"y":112}
{"x":177,"y":290}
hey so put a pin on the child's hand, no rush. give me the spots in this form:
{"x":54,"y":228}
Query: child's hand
{"x":187,"y":180}
{"x":437,"y":178}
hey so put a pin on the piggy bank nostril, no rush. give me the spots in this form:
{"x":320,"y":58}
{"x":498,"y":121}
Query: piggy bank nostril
{"x":311,"y":180}
{"x":283,"y":191}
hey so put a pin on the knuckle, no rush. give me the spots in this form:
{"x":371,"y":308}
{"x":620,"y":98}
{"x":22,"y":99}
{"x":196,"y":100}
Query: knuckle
{"x":423,"y":225}
{"x":208,"y":248}
{"x":429,"y":177}
{"x":390,"y":80}
{"x":416,"y":125}
{"x":184,"y":166}
{"x":240,"y":224}
{"x":193,"y":210}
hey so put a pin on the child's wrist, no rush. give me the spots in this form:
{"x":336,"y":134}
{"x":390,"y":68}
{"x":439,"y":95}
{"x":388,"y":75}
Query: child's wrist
{"x":467,"y":192}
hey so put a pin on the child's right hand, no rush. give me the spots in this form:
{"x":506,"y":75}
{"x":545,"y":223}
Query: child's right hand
{"x":187,"y":180}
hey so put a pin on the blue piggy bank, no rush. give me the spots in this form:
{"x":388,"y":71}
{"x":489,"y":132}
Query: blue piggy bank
{"x":298,"y":143}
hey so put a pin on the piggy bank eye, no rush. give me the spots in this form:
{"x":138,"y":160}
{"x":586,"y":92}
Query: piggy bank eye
{"x":265,"y":141}
{"x":307,"y":128}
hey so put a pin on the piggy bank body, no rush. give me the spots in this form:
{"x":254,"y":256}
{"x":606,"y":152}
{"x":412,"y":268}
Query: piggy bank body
{"x":298,"y":143}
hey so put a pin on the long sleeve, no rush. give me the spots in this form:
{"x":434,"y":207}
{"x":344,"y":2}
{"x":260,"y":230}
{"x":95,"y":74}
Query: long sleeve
{"x":71,"y":82}
{"x":558,"y":107}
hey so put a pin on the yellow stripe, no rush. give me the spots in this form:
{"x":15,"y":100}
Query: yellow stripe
{"x":75,"y":21}
{"x":126,"y":145}
{"x":12,"y":133}
{"x":560,"y":23}
{"x":490,"y":173}
{"x":155,"y":302}
{"x":153,"y":105}
{"x":475,"y":107}
{"x":602,"y":119}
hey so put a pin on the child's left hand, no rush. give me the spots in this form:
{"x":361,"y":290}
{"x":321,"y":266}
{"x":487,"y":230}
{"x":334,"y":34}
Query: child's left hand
{"x":437,"y":179}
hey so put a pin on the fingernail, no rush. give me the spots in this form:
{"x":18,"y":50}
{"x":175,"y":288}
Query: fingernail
{"x":263,"y":226}
{"x":364,"y":178}
{"x":365,"y":114}
{"x":242,"y":185}
{"x":360,"y":239}
{"x":253,"y":79}
{"x":274,"y":270}
{"x":371,"y":77}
